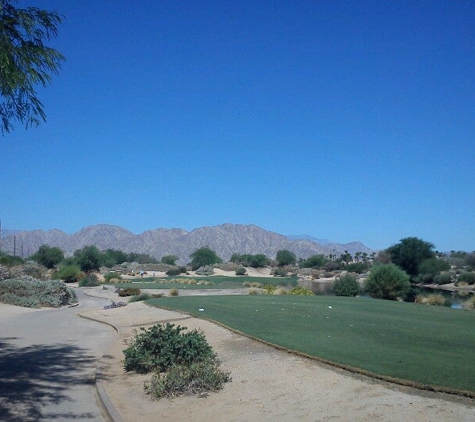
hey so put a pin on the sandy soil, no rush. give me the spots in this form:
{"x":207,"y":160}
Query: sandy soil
{"x":267,"y":385}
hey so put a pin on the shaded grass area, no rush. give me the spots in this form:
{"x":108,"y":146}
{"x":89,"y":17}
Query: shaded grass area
{"x":429,"y":346}
{"x":219,"y":282}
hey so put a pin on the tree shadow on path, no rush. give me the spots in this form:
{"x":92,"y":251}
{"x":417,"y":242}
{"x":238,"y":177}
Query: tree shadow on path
{"x":34,"y":377}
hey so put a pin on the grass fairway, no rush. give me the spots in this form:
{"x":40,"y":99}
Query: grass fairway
{"x":431,"y":346}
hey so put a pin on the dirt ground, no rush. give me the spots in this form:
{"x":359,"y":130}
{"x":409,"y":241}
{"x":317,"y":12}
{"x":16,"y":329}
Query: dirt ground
{"x":267,"y":384}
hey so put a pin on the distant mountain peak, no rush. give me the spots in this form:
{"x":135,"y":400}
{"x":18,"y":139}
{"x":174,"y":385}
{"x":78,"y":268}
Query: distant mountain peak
{"x":224,"y":239}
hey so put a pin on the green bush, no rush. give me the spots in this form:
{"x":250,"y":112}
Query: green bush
{"x":174,"y":292}
{"x":112,"y":276}
{"x":34,"y":293}
{"x":301,"y":291}
{"x":240,"y":271}
{"x":193,"y":379}
{"x":129,"y":291}
{"x":203,"y":257}
{"x":176,"y":271}
{"x":163,"y":346}
{"x":169,"y":259}
{"x":346,"y":285}
{"x":281,"y":272}
{"x":140,"y":298}
{"x":444,"y":278}
{"x":468,"y":278}
{"x":48,"y":256}
{"x":387,"y":281}
{"x":269,"y":288}
{"x":358,"y":267}
{"x":90,"y":280}
{"x":69,"y":274}
{"x":285,"y":257}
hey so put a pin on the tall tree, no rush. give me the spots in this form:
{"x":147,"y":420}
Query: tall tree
{"x":25,"y":61}
{"x":409,"y":253}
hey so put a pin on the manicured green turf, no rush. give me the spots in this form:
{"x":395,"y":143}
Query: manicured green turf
{"x":427,"y":345}
{"x":219,"y":282}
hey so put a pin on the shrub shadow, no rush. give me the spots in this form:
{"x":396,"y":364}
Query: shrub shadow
{"x":33,"y":377}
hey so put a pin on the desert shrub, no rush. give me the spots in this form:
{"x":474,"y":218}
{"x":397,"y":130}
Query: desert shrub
{"x":281,"y":272}
{"x":10,"y":260}
{"x":280,"y":291}
{"x":69,"y":273}
{"x":90,"y":280}
{"x":387,"y":281}
{"x":140,"y":298}
{"x":256,"y":291}
{"x":434,"y":299}
{"x":240,"y":271}
{"x":174,"y":292}
{"x":301,"y":291}
{"x":112,"y":276}
{"x":468,"y":278}
{"x":358,"y":267}
{"x":192,"y":379}
{"x":469,"y":304}
{"x":129,"y":291}
{"x":176,"y":271}
{"x":269,"y":288}
{"x":205,"y":270}
{"x":4,"y":273}
{"x":34,"y":293}
{"x":346,"y":285}
{"x":444,"y":278}
{"x":426,"y":278}
{"x":162,"y":346}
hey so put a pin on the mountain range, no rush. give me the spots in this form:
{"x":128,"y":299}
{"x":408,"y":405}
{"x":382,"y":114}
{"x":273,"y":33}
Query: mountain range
{"x":224,"y":239}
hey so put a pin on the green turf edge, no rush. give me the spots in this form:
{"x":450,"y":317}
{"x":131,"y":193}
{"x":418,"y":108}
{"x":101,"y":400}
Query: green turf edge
{"x":349,"y":368}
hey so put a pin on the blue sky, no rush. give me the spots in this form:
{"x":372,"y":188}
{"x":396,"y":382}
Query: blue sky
{"x":346,"y":120}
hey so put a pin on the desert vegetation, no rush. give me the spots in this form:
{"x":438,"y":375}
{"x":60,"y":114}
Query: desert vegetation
{"x":181,"y":362}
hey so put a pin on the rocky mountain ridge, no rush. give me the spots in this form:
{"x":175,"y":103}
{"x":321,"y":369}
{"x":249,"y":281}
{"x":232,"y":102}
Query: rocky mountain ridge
{"x":225,"y":239}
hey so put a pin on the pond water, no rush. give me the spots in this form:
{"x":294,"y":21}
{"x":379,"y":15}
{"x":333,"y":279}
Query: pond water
{"x":454,"y":299}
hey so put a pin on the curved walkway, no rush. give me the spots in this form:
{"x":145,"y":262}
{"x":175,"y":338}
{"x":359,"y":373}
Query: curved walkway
{"x":268,"y":384}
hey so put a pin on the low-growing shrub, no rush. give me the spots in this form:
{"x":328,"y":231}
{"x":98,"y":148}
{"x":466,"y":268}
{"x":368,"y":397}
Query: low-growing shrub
{"x":112,"y":276}
{"x":269,"y":288}
{"x":34,"y":293}
{"x":444,"y":278}
{"x":280,"y":291}
{"x":256,"y":291}
{"x":129,"y":291}
{"x":346,"y":285}
{"x":433,"y":299}
{"x":162,"y":346}
{"x":90,"y":280}
{"x":468,"y":278}
{"x":140,"y":298}
{"x":240,"y":271}
{"x":469,"y":304}
{"x":176,"y":271}
{"x":301,"y":291}
{"x":281,"y":272}
{"x":193,"y":379}
{"x":205,"y":270}
{"x":174,"y":292}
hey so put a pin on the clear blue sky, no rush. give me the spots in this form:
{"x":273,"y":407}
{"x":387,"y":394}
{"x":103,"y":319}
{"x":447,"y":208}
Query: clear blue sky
{"x":346,"y":120}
